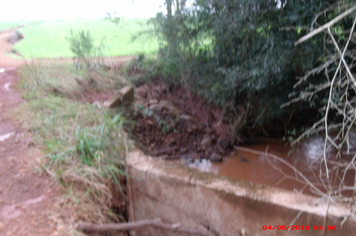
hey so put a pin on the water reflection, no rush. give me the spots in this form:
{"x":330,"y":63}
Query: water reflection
{"x":266,"y":170}
{"x":204,"y":166}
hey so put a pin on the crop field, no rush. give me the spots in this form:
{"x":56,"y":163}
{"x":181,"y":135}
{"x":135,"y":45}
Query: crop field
{"x":48,"y":39}
{"x":8,"y":25}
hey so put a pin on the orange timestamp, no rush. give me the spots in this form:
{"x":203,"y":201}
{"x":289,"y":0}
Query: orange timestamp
{"x":298,"y":227}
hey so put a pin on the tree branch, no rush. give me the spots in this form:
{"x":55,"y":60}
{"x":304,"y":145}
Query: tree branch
{"x":324,"y":27}
{"x":89,"y":227}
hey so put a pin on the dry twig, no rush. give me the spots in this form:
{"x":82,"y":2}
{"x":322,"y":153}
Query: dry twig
{"x":340,"y":111}
{"x":157,"y":223}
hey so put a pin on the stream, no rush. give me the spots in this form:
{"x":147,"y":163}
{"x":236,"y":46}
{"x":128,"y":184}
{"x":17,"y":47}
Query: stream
{"x":270,"y":171}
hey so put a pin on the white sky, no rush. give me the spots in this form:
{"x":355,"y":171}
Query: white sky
{"x":11,"y":10}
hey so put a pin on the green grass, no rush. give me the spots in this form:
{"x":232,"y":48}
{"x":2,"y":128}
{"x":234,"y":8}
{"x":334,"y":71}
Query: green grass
{"x":9,"y":25}
{"x":56,"y":113}
{"x":83,"y":144}
{"x":47,"y":39}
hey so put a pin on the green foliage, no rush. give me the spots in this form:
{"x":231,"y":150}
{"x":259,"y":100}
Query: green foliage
{"x":47,"y":39}
{"x":98,"y":140}
{"x":81,"y":43}
{"x":82,"y":46}
{"x":146,"y":112}
{"x":243,"y":51}
{"x":66,"y":128}
{"x":11,"y":24}
{"x":85,"y":145}
{"x":114,"y":18}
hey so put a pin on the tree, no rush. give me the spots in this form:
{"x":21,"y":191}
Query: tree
{"x":242,"y":51}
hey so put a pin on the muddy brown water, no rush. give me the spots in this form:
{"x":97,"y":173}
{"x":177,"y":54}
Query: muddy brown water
{"x":269,"y":171}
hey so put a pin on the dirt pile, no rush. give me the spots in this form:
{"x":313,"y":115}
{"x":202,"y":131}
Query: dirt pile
{"x":172,"y":123}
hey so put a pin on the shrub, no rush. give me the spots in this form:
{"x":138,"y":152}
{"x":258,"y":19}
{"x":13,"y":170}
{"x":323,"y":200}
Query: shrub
{"x":242,"y":51}
{"x":82,"y":46}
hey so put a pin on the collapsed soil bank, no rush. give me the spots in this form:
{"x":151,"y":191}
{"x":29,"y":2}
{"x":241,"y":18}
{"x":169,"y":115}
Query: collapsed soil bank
{"x":172,"y":123}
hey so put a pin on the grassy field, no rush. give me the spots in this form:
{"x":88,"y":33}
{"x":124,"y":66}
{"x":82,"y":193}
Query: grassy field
{"x":47,"y":39}
{"x":7,"y":25}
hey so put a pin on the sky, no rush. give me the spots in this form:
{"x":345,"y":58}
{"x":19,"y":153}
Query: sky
{"x":11,"y":10}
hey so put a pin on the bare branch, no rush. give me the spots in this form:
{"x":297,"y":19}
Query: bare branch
{"x":300,"y":174}
{"x":89,"y":227}
{"x":324,"y":27}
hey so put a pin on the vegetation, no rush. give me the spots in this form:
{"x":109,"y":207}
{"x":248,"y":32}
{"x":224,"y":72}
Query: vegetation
{"x":47,"y":39}
{"x":84,"y":144}
{"x":239,"y":54}
{"x":242,"y":52}
{"x":82,"y":46}
{"x":337,"y":91}
{"x":11,"y":24}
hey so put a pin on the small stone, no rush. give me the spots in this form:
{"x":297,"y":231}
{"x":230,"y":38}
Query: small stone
{"x":186,"y":117}
{"x":153,"y":101}
{"x":113,"y":102}
{"x":207,"y":130}
{"x":242,"y":159}
{"x":206,"y":141}
{"x":232,"y":153}
{"x":222,"y":151}
{"x":224,"y":143}
{"x":124,"y":96}
{"x":183,"y":150}
{"x":127,"y":94}
{"x":215,"y":157}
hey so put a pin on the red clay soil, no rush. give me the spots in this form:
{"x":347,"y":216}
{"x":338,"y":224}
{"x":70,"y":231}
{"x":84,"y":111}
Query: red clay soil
{"x":173,"y":124}
{"x":26,"y":198}
{"x":29,"y":204}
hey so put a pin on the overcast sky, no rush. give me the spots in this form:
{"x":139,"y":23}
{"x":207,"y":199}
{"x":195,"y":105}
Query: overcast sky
{"x":11,"y":10}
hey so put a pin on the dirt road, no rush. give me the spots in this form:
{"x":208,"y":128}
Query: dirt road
{"x":27,"y":196}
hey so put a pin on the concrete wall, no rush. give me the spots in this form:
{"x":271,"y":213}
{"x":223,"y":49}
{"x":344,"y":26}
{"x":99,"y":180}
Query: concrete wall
{"x":176,"y":194}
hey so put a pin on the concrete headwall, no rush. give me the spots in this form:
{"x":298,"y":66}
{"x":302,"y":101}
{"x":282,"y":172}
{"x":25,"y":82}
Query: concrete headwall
{"x":203,"y":201}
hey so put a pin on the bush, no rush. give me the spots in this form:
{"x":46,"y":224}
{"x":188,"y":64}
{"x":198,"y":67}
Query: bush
{"x":242,"y":51}
{"x":82,"y":46}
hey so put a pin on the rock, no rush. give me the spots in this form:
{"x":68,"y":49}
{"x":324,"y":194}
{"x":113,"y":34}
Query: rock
{"x":242,"y":159}
{"x":183,"y":150}
{"x":124,"y":97}
{"x":127,"y":93}
{"x":215,"y":157}
{"x":16,"y":36}
{"x":142,"y":91}
{"x":232,"y":153}
{"x":152,"y":101}
{"x":191,"y":129}
{"x":221,"y":150}
{"x":187,"y":117}
{"x":207,"y":130}
{"x":113,"y":102}
{"x":224,"y":143}
{"x":206,"y":141}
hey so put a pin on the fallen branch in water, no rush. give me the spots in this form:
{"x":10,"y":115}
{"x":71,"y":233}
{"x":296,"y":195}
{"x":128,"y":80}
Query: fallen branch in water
{"x":300,"y":174}
{"x":89,"y":227}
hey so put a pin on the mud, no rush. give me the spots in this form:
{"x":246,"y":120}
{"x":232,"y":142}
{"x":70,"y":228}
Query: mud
{"x":26,"y":197}
{"x":173,"y":124}
{"x":265,"y":170}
